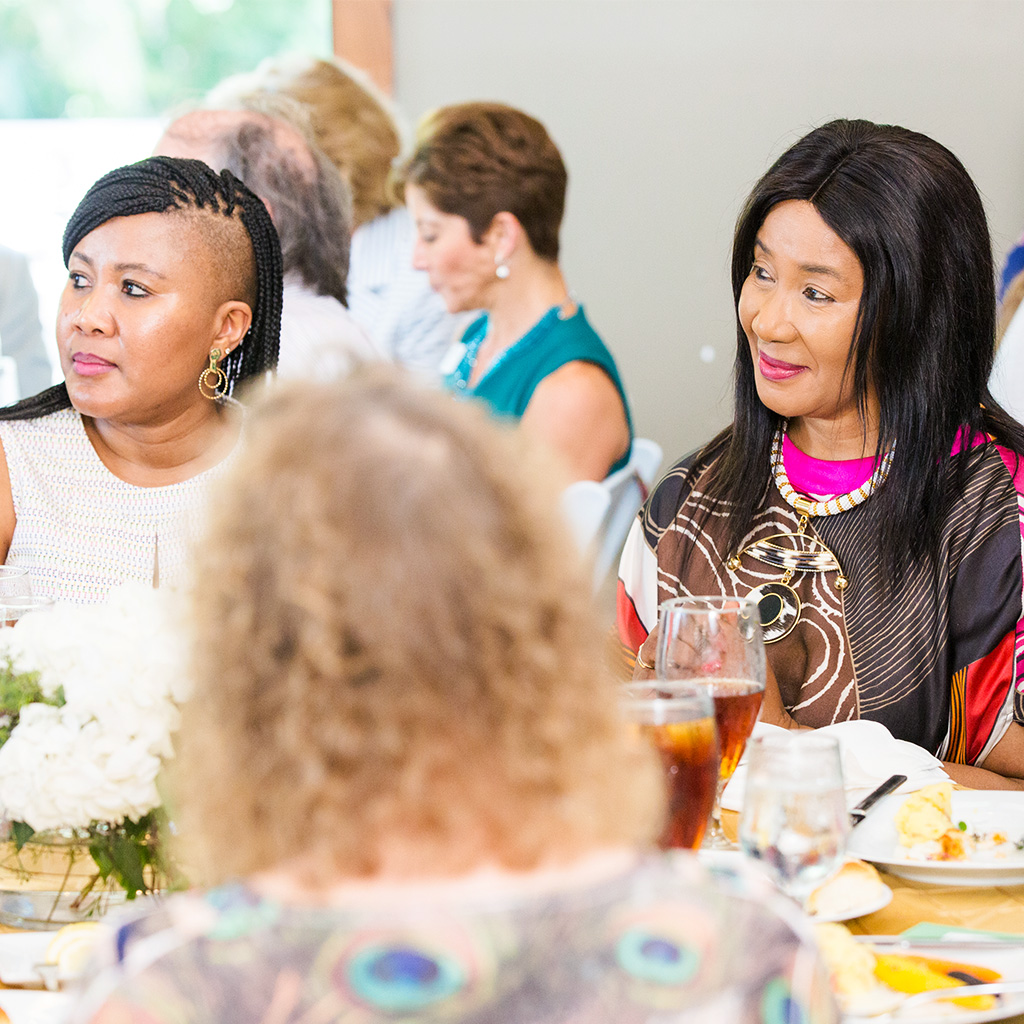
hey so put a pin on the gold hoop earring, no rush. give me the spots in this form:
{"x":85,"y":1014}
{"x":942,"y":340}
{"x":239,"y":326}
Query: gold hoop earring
{"x":219,"y":387}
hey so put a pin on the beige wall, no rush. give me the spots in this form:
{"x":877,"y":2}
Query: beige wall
{"x":667,"y":111}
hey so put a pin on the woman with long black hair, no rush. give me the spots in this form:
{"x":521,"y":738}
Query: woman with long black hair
{"x":868,"y":490}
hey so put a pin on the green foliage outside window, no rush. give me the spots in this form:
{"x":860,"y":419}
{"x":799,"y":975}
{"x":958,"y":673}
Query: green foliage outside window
{"x":137,"y":58}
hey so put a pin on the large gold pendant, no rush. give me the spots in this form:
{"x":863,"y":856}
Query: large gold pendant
{"x":778,"y":603}
{"x":779,"y":608}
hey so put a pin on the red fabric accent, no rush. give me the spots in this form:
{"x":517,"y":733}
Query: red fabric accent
{"x":644,"y":492}
{"x":987,"y":682}
{"x":631,"y":629}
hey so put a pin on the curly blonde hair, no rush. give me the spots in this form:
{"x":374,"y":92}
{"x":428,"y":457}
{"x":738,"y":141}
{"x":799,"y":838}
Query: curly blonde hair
{"x":399,"y":667}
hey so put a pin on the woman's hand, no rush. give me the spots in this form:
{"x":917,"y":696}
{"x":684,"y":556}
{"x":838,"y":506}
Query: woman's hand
{"x":773,"y":711}
{"x":646,"y":656}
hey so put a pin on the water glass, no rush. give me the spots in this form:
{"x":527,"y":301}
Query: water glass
{"x":794,"y":819}
{"x":681,"y":727}
{"x":716,"y":642}
{"x":15,"y":581}
{"x":13,"y":607}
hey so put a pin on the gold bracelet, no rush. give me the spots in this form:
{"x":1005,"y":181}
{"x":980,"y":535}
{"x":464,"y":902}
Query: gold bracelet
{"x":640,"y":663}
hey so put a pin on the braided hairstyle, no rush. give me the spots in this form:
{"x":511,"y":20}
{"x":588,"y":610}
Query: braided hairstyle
{"x":157,"y":185}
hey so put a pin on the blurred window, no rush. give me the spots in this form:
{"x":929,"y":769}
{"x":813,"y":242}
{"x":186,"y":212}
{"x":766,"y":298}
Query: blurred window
{"x":85,"y":86}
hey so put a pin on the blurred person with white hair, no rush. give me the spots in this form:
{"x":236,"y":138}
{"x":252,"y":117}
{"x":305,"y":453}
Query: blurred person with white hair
{"x":310,"y":207}
{"x":355,"y":127}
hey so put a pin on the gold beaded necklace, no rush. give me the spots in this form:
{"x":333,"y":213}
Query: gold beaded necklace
{"x":778,"y":603}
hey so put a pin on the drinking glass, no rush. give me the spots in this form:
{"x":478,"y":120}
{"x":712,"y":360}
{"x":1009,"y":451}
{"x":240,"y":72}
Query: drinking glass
{"x":14,"y":581}
{"x":794,"y":819}
{"x":681,"y":726}
{"x":14,"y":606}
{"x":716,"y":642}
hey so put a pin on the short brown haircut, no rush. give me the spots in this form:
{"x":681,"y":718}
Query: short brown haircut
{"x":479,"y":159}
{"x":399,"y":668}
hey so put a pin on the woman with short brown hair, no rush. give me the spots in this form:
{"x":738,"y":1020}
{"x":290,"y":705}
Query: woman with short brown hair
{"x":486,"y":187}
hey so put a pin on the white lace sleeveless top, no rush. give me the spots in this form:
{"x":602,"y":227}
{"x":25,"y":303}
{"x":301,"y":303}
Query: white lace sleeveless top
{"x":81,"y":530}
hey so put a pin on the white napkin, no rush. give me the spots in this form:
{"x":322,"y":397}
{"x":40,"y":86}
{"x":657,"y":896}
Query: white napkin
{"x":870,"y":754}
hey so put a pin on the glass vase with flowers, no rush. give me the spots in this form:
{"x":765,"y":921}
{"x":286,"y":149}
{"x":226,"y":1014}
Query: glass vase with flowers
{"x":89,"y":699}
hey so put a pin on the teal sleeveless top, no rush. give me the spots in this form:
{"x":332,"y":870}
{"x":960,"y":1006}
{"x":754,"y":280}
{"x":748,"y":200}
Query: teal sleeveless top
{"x":509,"y":382}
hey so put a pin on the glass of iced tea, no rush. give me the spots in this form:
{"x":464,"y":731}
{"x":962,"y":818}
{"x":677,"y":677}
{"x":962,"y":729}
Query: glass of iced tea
{"x":681,"y":727}
{"x":716,"y":642}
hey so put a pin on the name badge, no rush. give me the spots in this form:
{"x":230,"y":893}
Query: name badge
{"x":451,"y":359}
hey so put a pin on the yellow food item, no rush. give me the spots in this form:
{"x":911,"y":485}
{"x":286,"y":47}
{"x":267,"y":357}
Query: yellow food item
{"x":71,"y":948}
{"x":851,"y":964}
{"x":861,"y":977}
{"x":926,"y":814}
{"x":912,"y":974}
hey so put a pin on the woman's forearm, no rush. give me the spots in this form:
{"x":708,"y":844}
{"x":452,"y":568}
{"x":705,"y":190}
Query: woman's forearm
{"x":979,"y":778}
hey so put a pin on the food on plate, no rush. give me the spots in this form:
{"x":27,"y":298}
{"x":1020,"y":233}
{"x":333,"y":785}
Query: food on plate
{"x":926,"y":815}
{"x":913,"y":974}
{"x":856,"y":885}
{"x":953,"y":845}
{"x":71,"y":948}
{"x":925,"y":826}
{"x":851,"y":963}
{"x":866,"y":981}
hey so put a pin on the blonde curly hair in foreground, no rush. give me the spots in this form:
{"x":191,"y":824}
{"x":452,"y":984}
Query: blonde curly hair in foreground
{"x":399,"y":668}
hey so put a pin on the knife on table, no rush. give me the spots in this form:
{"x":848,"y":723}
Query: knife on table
{"x":859,"y":812}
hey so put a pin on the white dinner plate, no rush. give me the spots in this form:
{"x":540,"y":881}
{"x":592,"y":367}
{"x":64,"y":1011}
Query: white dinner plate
{"x":19,"y":953}
{"x":875,"y":839}
{"x":1008,"y":962}
{"x":720,"y":862}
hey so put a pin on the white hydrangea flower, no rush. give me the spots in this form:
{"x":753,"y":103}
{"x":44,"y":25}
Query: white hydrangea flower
{"x":123,"y":669}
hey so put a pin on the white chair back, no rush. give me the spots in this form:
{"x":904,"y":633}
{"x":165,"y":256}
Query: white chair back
{"x":601,"y":514}
{"x":585,"y":504}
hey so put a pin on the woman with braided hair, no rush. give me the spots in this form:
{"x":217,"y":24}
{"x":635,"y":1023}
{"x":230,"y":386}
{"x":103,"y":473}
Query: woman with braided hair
{"x":173,"y":300}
